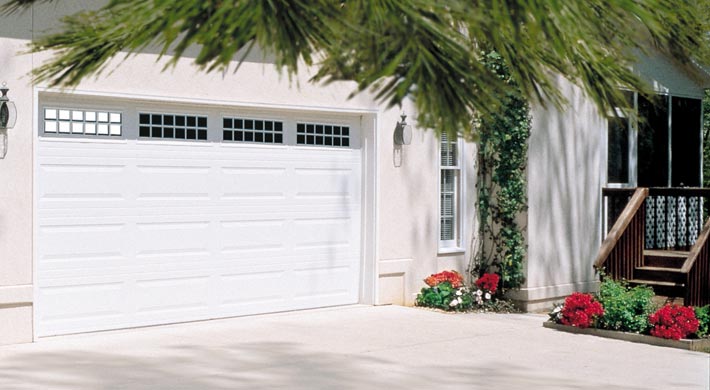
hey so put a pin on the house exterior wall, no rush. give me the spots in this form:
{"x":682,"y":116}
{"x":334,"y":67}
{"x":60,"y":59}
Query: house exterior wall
{"x":400,"y":234}
{"x":565,"y":169}
{"x":408,"y":248}
{"x":16,"y":189}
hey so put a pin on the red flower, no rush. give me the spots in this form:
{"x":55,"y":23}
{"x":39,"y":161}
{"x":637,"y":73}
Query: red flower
{"x":580,"y":310}
{"x":452,"y":277}
{"x":674,"y":322}
{"x":488,"y":282}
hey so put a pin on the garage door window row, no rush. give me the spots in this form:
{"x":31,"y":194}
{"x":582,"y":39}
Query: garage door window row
{"x":78,"y":122}
{"x":82,"y":122}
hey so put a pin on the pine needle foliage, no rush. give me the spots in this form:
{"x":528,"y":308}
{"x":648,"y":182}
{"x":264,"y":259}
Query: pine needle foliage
{"x":425,"y":50}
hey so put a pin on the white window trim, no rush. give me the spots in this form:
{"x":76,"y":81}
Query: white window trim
{"x":454,"y":245}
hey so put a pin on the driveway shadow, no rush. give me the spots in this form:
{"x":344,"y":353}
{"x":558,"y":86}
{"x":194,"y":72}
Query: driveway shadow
{"x":272,"y":365}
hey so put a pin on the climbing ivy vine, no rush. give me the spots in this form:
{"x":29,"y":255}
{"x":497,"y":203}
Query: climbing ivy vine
{"x":502,"y":198}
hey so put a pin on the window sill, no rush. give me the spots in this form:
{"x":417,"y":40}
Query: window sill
{"x":451,"y":251}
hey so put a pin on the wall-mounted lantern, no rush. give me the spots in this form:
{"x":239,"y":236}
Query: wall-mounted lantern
{"x":8,"y":113}
{"x":403,"y":132}
{"x":8,"y":116}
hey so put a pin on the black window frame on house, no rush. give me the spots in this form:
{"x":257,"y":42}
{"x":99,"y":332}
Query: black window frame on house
{"x":663,"y":146}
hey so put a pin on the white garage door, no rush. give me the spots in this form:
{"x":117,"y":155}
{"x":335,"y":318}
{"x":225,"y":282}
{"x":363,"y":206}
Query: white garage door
{"x":148,"y":216}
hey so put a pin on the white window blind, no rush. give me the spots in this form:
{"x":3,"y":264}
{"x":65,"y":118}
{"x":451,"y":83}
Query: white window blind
{"x":449,"y":193}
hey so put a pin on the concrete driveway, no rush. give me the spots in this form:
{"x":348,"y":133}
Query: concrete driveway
{"x":354,"y":347}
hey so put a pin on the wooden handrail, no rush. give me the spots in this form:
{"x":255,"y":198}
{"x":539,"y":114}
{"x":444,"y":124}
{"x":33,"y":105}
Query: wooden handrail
{"x":620,"y":226}
{"x":614,"y":190}
{"x":697,"y":248}
{"x":697,"y":270}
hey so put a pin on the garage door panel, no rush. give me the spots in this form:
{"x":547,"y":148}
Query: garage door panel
{"x":129,"y":269}
{"x":252,"y":288}
{"x":324,"y":282}
{"x":126,"y":269}
{"x":65,"y":242}
{"x":328,"y":234}
{"x":61,"y":308}
{"x":239,"y":237}
{"x":171,"y":185}
{"x":72,"y":193}
{"x":270,"y":187}
{"x":172,"y":294}
{"x":143,"y":232}
{"x":172,"y":238}
{"x":246,"y":209}
{"x":325,"y":181}
{"x":69,"y":264}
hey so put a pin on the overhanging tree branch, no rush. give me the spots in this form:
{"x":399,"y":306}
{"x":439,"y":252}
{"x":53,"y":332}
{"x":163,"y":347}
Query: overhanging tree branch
{"x":426,"y":50}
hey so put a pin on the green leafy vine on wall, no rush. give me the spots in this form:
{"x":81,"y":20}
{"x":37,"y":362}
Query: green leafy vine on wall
{"x":502,"y":198}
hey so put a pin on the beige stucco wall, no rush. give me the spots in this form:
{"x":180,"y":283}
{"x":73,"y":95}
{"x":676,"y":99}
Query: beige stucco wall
{"x":16,"y":189}
{"x":565,"y":168}
{"x":408,"y":204}
{"x":400,"y":246}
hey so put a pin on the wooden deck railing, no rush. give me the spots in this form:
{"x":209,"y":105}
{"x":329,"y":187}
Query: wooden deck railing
{"x":622,"y":249}
{"x":675,"y":216}
{"x":697,"y":269}
{"x":658,"y":218}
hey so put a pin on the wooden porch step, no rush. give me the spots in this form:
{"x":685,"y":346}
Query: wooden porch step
{"x":664,"y":258}
{"x":660,"y":300}
{"x":660,"y":274}
{"x":668,"y":289}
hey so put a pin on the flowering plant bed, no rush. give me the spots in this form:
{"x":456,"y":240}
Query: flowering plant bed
{"x":701,"y":345}
{"x":446,"y":291}
{"x":628,"y":313}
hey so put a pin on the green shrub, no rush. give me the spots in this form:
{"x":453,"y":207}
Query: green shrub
{"x":446,"y":297}
{"x":625,"y":308}
{"x":703,"y":316}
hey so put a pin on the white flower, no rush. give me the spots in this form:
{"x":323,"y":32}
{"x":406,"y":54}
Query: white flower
{"x":479,"y":292}
{"x":454,"y":303}
{"x":488,"y":296}
{"x":556,"y":313}
{"x":459,"y":299}
{"x":459,"y":292}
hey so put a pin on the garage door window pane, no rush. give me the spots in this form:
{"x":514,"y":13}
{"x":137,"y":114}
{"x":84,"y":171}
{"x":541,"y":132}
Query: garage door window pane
{"x":172,"y":126}
{"x":263,"y":131}
{"x":322,"y":134}
{"x":82,"y":122}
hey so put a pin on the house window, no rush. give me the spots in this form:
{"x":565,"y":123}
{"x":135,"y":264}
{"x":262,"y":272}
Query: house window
{"x":82,"y":122}
{"x":252,"y":130}
{"x":172,"y":126}
{"x":449,"y":193}
{"x":322,"y":134}
{"x":618,"y":150}
{"x":656,"y":143}
{"x":653,"y":142}
{"x":619,"y":146}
